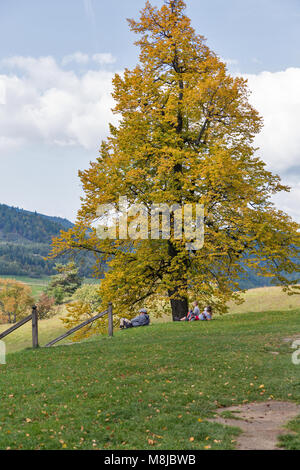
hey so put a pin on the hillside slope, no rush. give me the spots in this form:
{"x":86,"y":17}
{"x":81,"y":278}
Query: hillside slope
{"x":25,"y":239}
{"x":18,"y":225}
{"x":259,"y":300}
{"x":263,"y":299}
{"x":150,"y":388}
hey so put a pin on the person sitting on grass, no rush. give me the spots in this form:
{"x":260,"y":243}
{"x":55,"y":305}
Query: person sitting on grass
{"x":141,"y":320}
{"x":206,"y":315}
{"x":192,"y":314}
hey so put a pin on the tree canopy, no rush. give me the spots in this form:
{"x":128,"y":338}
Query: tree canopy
{"x":15,"y":299}
{"x":185,"y":135}
{"x":63,"y":285}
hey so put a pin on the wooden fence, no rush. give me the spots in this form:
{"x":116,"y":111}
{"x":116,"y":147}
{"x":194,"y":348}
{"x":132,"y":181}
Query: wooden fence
{"x":35,"y":334}
{"x":86,"y":322}
{"x":34,"y":318}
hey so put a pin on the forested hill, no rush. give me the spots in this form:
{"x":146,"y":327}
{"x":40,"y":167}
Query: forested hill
{"x":25,"y":239}
{"x":20,"y":225}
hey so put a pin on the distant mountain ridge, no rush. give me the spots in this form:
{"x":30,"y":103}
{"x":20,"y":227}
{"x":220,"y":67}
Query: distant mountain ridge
{"x":25,"y":239}
{"x":59,"y":220}
{"x":21,"y":225}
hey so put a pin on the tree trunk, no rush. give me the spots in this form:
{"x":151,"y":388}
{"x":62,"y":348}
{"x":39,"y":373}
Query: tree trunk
{"x":179,"y":306}
{"x":179,"y":303}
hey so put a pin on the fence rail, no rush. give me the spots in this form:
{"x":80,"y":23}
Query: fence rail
{"x":87,"y":322}
{"x":34,"y":318}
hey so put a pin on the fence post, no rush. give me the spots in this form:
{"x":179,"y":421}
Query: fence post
{"x":110,"y":320}
{"x":35,"y":337}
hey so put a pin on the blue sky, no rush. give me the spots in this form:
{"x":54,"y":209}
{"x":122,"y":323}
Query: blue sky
{"x":260,"y":34}
{"x":56,"y":63}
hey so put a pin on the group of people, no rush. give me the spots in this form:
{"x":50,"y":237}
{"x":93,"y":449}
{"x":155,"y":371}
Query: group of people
{"x":143,"y":318}
{"x":194,"y":314}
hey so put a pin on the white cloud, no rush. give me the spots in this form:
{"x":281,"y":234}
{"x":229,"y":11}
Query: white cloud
{"x":46,"y":104}
{"x":2,"y":92}
{"x":277,"y":98}
{"x":77,"y":57}
{"x":7,"y":143}
{"x":89,"y":10}
{"x":289,"y":202}
{"x":42,"y":103}
{"x":255,"y":60}
{"x":101,"y":58}
{"x":104,"y":58}
{"x":230,"y":61}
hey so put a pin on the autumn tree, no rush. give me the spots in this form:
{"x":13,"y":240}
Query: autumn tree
{"x":185,"y":135}
{"x":88,"y":294}
{"x":63,"y":284}
{"x":85,"y":303}
{"x":45,"y":306}
{"x":15,"y":299}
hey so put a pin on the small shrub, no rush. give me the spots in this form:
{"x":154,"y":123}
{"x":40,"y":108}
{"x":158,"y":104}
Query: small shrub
{"x":3,"y":319}
{"x":45,"y":306}
{"x":86,"y":302}
{"x":63,"y":285}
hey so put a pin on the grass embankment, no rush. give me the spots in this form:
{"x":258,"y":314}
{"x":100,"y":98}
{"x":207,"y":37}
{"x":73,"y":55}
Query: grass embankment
{"x":256,"y":300}
{"x":38,"y":285}
{"x":149,"y":388}
{"x":22,"y":338}
{"x":48,"y":329}
{"x":263,"y":299}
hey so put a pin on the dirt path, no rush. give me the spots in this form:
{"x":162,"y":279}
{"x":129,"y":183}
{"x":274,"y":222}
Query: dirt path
{"x":261,"y":423}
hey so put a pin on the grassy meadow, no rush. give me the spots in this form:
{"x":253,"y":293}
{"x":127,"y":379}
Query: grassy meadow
{"x":263,"y":299}
{"x":37,"y":284}
{"x":150,"y":388}
{"x":22,"y":338}
{"x":256,"y":300}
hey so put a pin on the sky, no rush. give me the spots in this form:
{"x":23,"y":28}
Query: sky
{"x":57,"y":60}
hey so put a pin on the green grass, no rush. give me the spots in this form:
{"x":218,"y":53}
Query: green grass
{"x":38,"y":285}
{"x":22,"y":338}
{"x":149,"y":388}
{"x":263,"y":299}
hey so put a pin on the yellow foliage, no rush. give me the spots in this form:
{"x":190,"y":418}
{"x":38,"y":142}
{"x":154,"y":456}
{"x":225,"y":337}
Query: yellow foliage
{"x":15,"y":299}
{"x":186,"y":135}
